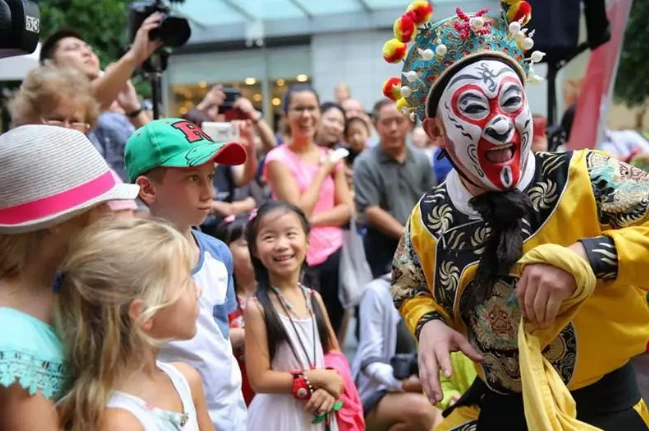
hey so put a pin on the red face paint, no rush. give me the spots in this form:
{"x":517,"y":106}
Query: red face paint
{"x":488,"y":124}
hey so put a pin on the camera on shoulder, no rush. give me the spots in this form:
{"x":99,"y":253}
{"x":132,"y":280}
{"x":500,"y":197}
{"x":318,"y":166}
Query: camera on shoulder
{"x":20,"y":26}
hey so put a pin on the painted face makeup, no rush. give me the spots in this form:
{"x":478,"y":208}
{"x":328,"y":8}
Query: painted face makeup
{"x":488,"y":124}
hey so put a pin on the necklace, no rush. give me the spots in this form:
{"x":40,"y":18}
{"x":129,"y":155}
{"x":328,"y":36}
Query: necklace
{"x":285,"y":305}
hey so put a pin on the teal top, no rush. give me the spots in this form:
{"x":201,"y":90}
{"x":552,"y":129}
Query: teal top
{"x":31,"y":354}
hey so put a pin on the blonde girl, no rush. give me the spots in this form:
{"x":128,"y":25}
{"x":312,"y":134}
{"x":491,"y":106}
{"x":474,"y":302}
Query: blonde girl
{"x":126,"y":288}
{"x":52,"y":184}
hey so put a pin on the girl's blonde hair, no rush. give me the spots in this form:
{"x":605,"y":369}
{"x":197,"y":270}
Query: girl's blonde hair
{"x":16,"y":250}
{"x":45,"y":87}
{"x":113,"y":263}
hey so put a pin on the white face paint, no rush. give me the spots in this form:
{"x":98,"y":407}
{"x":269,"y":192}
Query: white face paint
{"x":488,"y":124}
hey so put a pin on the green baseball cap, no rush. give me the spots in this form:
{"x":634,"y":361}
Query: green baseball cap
{"x":176,"y":143}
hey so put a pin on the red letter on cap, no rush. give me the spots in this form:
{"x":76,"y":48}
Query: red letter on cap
{"x":191,"y":131}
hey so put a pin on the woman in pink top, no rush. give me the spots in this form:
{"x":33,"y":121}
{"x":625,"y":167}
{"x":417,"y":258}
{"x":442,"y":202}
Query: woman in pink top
{"x":300,"y":173}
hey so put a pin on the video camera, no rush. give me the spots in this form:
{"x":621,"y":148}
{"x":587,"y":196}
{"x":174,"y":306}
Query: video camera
{"x":174,"y":31}
{"x":20,"y":24}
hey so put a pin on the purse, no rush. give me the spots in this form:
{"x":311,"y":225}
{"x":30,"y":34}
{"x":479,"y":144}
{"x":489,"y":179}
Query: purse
{"x":355,"y":272}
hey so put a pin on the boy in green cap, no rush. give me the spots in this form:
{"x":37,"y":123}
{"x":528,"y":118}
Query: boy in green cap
{"x":173,"y":161}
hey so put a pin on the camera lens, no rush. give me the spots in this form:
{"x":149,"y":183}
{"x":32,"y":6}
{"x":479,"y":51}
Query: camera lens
{"x":173,"y":31}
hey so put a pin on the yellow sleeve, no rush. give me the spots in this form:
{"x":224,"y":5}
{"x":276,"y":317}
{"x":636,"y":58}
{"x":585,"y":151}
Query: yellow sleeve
{"x":622,"y":195}
{"x":411,"y":291}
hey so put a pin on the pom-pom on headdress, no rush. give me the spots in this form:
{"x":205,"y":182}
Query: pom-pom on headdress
{"x":444,"y":46}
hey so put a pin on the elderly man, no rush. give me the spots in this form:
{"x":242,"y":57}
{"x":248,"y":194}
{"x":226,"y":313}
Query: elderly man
{"x":389,"y":179}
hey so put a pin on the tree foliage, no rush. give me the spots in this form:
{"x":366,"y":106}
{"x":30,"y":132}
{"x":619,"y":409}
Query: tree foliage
{"x":102,"y":23}
{"x":632,"y":85}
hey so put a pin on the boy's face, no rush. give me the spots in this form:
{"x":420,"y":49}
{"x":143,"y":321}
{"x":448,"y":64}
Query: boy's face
{"x":184,"y":196}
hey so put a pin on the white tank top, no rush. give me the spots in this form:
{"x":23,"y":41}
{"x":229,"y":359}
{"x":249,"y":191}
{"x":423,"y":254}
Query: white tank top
{"x":155,"y":419}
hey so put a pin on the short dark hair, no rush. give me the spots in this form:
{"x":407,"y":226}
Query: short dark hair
{"x":358,"y":120}
{"x":49,"y":46}
{"x":328,"y":106}
{"x":297,"y":88}
{"x":376,"y":110}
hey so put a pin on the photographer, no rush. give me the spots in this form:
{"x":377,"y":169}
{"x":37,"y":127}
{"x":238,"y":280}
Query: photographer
{"x":68,"y":48}
{"x":385,"y":368}
{"x":211,"y":109}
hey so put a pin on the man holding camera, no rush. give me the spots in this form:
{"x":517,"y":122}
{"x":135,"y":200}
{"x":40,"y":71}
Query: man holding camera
{"x":67,"y":48}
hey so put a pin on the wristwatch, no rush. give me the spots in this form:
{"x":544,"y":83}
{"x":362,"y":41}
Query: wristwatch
{"x":135,"y":113}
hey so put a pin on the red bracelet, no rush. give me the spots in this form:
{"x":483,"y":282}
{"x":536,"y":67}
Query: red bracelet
{"x":301,"y":388}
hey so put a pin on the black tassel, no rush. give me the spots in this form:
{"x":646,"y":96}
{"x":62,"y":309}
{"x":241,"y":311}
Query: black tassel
{"x":503,"y":212}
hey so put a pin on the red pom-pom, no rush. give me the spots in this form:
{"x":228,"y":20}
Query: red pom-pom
{"x":404,"y":29}
{"x":394,"y":51}
{"x":392,"y":88}
{"x":420,"y":11}
{"x":521,"y":12}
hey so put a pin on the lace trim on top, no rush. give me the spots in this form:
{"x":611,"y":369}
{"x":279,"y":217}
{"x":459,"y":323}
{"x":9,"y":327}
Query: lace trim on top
{"x":33,"y":374}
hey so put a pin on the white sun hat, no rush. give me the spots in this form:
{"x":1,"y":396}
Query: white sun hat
{"x":50,"y":174}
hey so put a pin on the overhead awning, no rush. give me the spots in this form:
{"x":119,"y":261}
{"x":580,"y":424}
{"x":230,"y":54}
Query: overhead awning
{"x":228,"y":20}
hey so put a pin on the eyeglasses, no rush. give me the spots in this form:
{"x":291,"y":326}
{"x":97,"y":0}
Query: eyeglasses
{"x":81,"y":127}
{"x":300,"y":110}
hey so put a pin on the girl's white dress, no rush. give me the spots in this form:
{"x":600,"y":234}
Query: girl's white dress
{"x":282,"y":412}
{"x":155,"y":419}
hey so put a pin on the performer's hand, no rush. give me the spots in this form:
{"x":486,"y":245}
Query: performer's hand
{"x":436,"y":342}
{"x":541,"y":290}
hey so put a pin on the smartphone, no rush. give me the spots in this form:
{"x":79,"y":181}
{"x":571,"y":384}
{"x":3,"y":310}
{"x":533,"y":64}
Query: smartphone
{"x":338,"y":155}
{"x":231,"y":95}
{"x":221,"y":132}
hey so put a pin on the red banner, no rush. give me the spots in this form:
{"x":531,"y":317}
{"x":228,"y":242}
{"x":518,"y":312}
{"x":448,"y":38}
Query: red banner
{"x":592,"y":106}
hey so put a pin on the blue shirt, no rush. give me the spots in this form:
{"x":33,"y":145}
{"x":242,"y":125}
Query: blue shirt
{"x":31,"y":355}
{"x":210,"y":352}
{"x":212,"y":249}
{"x":109,"y":137}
